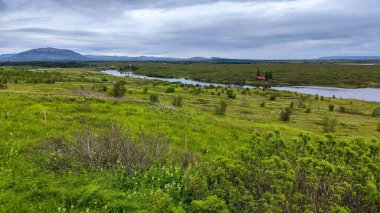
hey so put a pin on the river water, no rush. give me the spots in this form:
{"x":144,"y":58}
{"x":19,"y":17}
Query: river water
{"x":366,"y":94}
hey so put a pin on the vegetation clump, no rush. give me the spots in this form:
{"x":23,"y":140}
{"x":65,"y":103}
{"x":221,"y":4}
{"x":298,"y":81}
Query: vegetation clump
{"x":231,"y":94}
{"x":285,"y":114}
{"x":154,"y":98}
{"x":119,"y":89}
{"x":177,"y":101}
{"x":329,"y":124}
{"x":222,"y":108}
{"x":110,"y":150}
{"x":376,"y":112}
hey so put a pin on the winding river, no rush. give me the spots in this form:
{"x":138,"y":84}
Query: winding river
{"x":366,"y":94}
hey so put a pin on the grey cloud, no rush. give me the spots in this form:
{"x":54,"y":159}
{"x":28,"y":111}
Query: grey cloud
{"x":240,"y":28}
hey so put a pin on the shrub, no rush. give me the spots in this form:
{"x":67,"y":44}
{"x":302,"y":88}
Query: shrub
{"x":170,"y":90}
{"x":331,"y":107}
{"x":177,"y":101}
{"x":285,"y":114}
{"x":378,"y":127}
{"x":145,"y":90}
{"x":308,"y":110}
{"x":342,"y":109}
{"x":329,"y":124}
{"x":3,"y":86}
{"x":222,"y":108}
{"x":272,"y":97}
{"x":109,"y":150}
{"x":162,"y":203}
{"x":212,"y":204}
{"x":154,"y":98}
{"x":291,"y":105}
{"x":118,"y":89}
{"x":262,"y":104}
{"x":231,"y":94}
{"x":376,"y":112}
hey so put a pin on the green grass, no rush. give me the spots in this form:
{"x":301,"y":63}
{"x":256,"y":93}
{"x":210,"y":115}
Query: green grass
{"x":248,"y":141}
{"x":284,"y":74}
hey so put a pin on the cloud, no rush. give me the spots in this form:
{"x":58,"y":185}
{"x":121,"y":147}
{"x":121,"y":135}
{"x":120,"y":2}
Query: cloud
{"x":238,"y":29}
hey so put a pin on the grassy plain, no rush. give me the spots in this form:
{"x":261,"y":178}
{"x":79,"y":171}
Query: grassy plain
{"x":209,"y":159}
{"x":284,"y":74}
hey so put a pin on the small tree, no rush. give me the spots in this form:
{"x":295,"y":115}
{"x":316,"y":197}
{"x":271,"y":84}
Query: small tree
{"x":154,"y":98}
{"x":119,"y":89}
{"x":285,"y":114}
{"x":177,"y":101}
{"x":222,"y":108}
{"x":329,"y":124}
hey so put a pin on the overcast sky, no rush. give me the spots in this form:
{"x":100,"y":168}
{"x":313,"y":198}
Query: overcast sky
{"x":256,"y":29}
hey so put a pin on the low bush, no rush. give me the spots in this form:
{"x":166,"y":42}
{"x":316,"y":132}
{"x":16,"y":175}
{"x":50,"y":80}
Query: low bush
{"x":177,"y":101}
{"x":119,"y":89}
{"x":376,"y":112}
{"x":221,"y":109}
{"x":285,"y":114}
{"x":329,"y":124}
{"x":331,"y":107}
{"x":111,"y":149}
{"x":154,"y":98}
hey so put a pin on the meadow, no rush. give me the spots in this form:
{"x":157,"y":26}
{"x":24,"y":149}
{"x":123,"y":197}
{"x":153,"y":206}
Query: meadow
{"x":284,"y":74}
{"x":77,"y":140}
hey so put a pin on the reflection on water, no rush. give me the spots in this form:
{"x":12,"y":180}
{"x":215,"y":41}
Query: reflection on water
{"x":367,"y":94}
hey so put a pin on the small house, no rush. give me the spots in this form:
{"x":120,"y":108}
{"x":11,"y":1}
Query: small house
{"x":261,"y":78}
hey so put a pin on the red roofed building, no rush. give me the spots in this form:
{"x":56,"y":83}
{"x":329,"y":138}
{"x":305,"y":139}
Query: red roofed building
{"x":261,"y":78}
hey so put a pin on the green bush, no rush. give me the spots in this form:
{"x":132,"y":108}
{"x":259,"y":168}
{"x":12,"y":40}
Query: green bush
{"x":154,"y":98}
{"x":177,"y":101}
{"x":231,"y":94}
{"x":222,"y":108}
{"x":119,"y":89}
{"x":3,"y":86}
{"x":170,"y":90}
{"x":272,"y":97}
{"x":212,"y":204}
{"x":262,"y":104}
{"x":285,"y":114}
{"x":329,"y":124}
{"x":378,"y":127}
{"x":376,"y":112}
{"x":162,"y":203}
{"x":331,"y":107}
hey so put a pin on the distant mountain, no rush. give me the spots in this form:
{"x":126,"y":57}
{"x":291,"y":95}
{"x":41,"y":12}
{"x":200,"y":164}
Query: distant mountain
{"x":48,"y":54}
{"x":350,"y":58}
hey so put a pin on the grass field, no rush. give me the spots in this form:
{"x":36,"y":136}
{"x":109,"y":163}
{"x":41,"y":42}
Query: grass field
{"x":68,"y":145}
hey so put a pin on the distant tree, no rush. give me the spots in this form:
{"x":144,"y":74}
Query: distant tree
{"x":258,"y":72}
{"x":376,"y":112}
{"x":270,"y":75}
{"x":266,"y":75}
